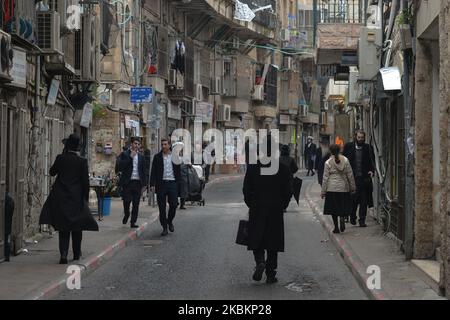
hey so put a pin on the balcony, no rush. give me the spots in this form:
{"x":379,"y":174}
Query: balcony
{"x":262,"y":27}
{"x":338,"y":28}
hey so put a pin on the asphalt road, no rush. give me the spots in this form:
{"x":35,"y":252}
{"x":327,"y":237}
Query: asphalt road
{"x":201,"y":261}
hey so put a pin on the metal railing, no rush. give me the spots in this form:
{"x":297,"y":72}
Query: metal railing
{"x":340,"y":11}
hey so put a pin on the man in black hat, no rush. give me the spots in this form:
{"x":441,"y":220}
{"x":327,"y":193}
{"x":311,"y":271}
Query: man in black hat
{"x":133,"y":179}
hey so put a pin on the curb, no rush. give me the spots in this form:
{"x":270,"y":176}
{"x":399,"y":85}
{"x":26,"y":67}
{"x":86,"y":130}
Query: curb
{"x":95,"y":261}
{"x":351,"y":259}
{"x":92,"y":263}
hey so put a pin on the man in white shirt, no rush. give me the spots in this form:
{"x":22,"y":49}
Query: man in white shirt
{"x":133,"y":179}
{"x":164,"y":179}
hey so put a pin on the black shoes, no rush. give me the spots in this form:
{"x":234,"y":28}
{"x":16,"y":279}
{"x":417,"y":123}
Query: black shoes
{"x":271,"y":279}
{"x":134,"y":226}
{"x":259,"y":270}
{"x":125,"y":219}
{"x":336,"y":230}
{"x":164,"y":233}
{"x":362,"y":224}
{"x":342,"y":223}
{"x":182,"y":208}
{"x":63,"y":259}
{"x":76,"y":257}
{"x":171,"y":228}
{"x":353,"y":221}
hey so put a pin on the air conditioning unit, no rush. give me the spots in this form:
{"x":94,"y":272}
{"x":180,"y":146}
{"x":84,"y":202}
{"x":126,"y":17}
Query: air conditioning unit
{"x":258,"y":93}
{"x":48,"y":33}
{"x":288,"y":63}
{"x":61,"y":7}
{"x":304,"y":110}
{"x":216,"y":86}
{"x":285,"y":35}
{"x":87,"y":57}
{"x":6,"y":54}
{"x":198,"y":92}
{"x":172,"y":77}
{"x":224,"y":113}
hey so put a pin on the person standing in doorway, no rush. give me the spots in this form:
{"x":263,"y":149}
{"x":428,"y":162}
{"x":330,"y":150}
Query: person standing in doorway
{"x":66,"y":208}
{"x":310,"y":154}
{"x":361,"y":157}
{"x":133,"y":180}
{"x":164,"y":179}
{"x":337,"y":185}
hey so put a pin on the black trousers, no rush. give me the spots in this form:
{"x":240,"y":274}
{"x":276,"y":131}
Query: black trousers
{"x":207,"y":171}
{"x":271,"y":262}
{"x":361,"y":199}
{"x":132,"y":194}
{"x":168,"y":191}
{"x":64,"y":240}
{"x":7,"y":247}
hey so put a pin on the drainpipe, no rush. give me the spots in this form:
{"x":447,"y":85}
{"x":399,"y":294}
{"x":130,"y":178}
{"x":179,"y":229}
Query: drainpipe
{"x":409,"y":166}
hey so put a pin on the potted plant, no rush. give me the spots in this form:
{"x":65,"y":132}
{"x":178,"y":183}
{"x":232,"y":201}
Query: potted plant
{"x":110,"y":191}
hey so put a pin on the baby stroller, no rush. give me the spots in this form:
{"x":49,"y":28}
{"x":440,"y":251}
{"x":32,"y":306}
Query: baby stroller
{"x":196,"y":185}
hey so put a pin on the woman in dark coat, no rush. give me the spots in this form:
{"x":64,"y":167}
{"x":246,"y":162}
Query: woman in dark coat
{"x":266,"y":196}
{"x":66,"y":208}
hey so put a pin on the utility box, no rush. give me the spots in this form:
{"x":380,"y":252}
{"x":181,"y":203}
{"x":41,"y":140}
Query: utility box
{"x":369,"y":53}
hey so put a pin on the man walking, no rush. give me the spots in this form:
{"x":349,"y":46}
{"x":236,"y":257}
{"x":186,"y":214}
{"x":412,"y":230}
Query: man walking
{"x":133,"y":179}
{"x":164,"y":180}
{"x":310,"y":154}
{"x":361,"y":159}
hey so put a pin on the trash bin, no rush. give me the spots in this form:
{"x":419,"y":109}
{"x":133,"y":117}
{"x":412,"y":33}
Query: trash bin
{"x":106,"y":206}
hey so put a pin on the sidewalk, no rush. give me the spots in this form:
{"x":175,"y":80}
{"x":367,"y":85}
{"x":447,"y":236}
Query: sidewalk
{"x":363,"y":247}
{"x":36,"y":274}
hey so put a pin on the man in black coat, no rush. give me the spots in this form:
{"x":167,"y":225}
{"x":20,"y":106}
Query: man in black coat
{"x":267,"y":196}
{"x":164,"y":180}
{"x":361,"y":157}
{"x":133,"y":180}
{"x":310,"y":154}
{"x":322,"y":155}
{"x":66,"y":208}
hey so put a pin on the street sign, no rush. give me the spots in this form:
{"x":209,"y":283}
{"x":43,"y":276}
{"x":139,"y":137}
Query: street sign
{"x":141,"y":94}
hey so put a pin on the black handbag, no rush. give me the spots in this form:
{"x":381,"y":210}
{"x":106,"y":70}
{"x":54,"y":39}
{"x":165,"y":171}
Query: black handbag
{"x":242,"y":234}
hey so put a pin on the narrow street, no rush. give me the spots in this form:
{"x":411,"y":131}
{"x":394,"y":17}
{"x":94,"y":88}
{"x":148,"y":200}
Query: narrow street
{"x":201,"y":261}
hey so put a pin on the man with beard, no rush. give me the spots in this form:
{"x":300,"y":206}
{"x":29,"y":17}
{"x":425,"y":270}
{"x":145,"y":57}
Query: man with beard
{"x":362,"y":160}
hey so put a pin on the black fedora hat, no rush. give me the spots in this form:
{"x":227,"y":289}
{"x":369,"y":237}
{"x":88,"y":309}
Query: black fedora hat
{"x":72,"y":143}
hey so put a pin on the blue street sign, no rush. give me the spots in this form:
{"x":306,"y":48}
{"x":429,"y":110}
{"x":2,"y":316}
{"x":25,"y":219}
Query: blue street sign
{"x":141,"y":94}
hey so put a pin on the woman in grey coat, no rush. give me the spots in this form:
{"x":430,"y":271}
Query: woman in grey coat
{"x":338,"y":183}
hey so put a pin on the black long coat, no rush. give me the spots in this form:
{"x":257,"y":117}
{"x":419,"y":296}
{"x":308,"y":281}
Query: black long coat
{"x":266,"y":196}
{"x":66,"y":208}
{"x":310,"y":153}
{"x":320,"y":164}
{"x":368,"y":163}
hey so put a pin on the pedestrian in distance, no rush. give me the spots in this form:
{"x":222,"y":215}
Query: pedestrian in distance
{"x":133,"y":180}
{"x":9,"y":212}
{"x":361,"y":157}
{"x":183,"y":183}
{"x":290,"y":163}
{"x":266,"y":196}
{"x":164,"y":179}
{"x":310,"y":154}
{"x":337,"y":185}
{"x":66,"y":208}
{"x":322,"y":155}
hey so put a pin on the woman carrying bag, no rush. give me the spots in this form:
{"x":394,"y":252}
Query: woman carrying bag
{"x":66,"y":208}
{"x":337,"y":186}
